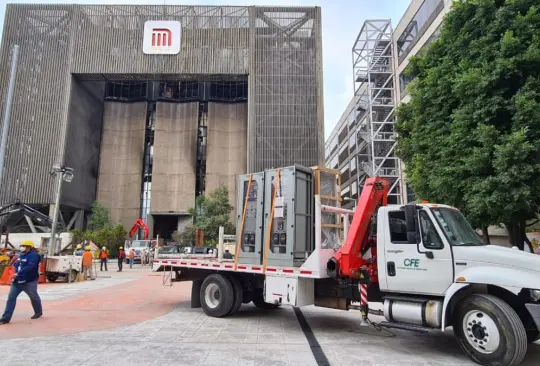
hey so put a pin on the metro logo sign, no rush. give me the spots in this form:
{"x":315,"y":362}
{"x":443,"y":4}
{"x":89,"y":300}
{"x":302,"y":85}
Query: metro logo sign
{"x":162,"y":37}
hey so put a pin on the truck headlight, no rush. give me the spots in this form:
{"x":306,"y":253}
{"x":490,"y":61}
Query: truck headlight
{"x":535,"y":295}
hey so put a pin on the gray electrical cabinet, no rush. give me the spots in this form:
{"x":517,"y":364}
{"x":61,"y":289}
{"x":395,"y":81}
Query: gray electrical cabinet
{"x":251,"y":233}
{"x":291,"y":229}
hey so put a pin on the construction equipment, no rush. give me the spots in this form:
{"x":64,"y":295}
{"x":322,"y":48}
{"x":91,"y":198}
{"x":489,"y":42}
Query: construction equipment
{"x":423,"y":262}
{"x":140,"y":224}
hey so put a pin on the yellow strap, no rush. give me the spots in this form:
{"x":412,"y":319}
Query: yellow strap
{"x":269,"y":234}
{"x":244,"y":211}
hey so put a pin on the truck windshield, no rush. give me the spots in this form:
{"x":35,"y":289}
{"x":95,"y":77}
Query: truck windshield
{"x":456,"y":228}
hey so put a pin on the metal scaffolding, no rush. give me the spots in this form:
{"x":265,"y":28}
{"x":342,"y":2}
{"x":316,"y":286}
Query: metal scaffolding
{"x":374,"y":90}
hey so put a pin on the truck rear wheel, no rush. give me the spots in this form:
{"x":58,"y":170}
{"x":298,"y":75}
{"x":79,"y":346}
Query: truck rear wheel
{"x":217,"y":295}
{"x":238,"y":294}
{"x":490,"y":331}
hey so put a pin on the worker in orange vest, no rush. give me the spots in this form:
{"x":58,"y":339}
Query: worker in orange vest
{"x":131,"y":258}
{"x":121,"y":257}
{"x":87,"y":262}
{"x":103,"y":256}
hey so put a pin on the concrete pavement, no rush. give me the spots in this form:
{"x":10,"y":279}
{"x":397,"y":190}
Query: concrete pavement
{"x":141,"y":322}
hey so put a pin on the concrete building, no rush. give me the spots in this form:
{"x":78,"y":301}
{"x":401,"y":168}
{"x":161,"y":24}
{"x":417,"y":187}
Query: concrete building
{"x":380,"y":59}
{"x":154,"y":105}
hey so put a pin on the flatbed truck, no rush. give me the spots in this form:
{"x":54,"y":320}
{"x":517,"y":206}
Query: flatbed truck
{"x":422,"y":261}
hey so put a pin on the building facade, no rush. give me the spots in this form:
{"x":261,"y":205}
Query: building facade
{"x":154,"y":105}
{"x":380,"y":59}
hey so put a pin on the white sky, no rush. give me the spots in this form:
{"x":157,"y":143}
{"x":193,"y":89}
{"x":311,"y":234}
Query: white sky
{"x":342,"y":20}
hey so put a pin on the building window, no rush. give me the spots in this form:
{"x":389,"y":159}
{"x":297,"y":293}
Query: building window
{"x":334,"y":163}
{"x":423,"y":18}
{"x":343,"y":134}
{"x":126,"y":91}
{"x":404,"y":80}
{"x":178,"y":91}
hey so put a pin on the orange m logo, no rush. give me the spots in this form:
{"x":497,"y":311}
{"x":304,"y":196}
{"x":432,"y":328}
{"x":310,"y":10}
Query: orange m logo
{"x":161,"y":37}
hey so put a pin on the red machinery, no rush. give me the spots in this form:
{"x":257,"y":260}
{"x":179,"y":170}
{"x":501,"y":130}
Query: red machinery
{"x":139,"y":224}
{"x":348,"y":262}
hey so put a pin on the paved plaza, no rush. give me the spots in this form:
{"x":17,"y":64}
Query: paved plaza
{"x":130,"y":318}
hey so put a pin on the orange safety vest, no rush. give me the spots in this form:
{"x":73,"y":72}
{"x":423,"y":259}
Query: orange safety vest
{"x":103,"y":255}
{"x":131,"y":255}
{"x":87,"y":258}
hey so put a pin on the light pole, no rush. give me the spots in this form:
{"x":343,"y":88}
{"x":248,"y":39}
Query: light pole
{"x":64,"y":174}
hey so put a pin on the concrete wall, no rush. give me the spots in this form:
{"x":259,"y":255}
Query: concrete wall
{"x":175,"y":155}
{"x":83,"y":143}
{"x":227,"y":145}
{"x":121,"y":160}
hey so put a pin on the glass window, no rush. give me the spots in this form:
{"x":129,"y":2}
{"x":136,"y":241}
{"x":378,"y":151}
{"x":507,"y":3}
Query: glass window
{"x":430,"y":237}
{"x":418,"y":25}
{"x":404,"y":80}
{"x":334,"y":162}
{"x":353,"y":164}
{"x":398,"y":228}
{"x":352,"y":142}
{"x":456,"y":228}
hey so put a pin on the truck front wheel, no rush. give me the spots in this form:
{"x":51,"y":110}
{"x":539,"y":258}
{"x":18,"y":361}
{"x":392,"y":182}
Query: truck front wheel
{"x":217,"y":295}
{"x":490,"y":331}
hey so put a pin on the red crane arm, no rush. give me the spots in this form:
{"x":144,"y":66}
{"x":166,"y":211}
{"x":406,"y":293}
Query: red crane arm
{"x":347,"y":261}
{"x":139,"y":223}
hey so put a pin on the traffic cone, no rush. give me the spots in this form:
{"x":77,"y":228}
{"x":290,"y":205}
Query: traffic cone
{"x":7,"y":276}
{"x":42,"y":275}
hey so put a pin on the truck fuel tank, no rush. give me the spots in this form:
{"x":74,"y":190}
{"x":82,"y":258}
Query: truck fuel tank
{"x":421,"y":312}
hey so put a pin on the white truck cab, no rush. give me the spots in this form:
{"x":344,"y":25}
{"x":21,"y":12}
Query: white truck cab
{"x":444,"y":275}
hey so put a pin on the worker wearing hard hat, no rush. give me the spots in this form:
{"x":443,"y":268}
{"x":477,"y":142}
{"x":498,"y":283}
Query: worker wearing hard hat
{"x":87,"y":263}
{"x":121,"y":257}
{"x":25,"y":280}
{"x":103,"y":257}
{"x":78,"y":250}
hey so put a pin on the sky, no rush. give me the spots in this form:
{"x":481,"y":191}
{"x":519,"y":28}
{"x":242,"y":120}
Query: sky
{"x":342,"y":20}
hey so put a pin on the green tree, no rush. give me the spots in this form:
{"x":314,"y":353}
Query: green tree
{"x":470,"y":136}
{"x":185,"y":237}
{"x":211,"y":212}
{"x":100,"y":217}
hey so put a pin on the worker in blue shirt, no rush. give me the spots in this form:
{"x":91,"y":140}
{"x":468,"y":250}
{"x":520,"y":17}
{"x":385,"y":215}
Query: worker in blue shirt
{"x":25,"y":280}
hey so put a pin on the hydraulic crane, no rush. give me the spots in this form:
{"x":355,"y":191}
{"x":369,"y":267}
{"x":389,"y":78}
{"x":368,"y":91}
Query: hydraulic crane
{"x":349,"y":260}
{"x":140,"y":224}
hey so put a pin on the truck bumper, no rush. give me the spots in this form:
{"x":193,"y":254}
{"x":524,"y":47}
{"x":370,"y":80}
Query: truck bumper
{"x":534,"y":310}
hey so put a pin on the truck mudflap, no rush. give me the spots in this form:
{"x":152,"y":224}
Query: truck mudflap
{"x":534,"y":310}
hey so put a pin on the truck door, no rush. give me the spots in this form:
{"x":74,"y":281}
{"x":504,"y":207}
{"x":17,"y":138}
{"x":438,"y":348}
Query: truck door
{"x":424,"y":268}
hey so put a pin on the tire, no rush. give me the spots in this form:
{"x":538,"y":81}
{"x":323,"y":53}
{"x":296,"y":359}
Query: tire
{"x":258,"y":301}
{"x":52,"y":277}
{"x":489,"y":331}
{"x":72,"y":276}
{"x":217,"y":296}
{"x":238,"y":294}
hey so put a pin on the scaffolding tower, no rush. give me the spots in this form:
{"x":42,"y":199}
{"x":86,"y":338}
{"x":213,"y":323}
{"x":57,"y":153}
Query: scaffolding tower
{"x":374,"y":91}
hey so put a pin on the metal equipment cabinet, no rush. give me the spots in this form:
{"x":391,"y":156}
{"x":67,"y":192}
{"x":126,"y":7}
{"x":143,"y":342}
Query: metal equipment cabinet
{"x":288,"y":216}
{"x":249,"y":224}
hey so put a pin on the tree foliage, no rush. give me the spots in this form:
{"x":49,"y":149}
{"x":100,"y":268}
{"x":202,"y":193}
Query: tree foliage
{"x":470,"y":135}
{"x":210,"y":212}
{"x":100,"y":217}
{"x":101,"y":231}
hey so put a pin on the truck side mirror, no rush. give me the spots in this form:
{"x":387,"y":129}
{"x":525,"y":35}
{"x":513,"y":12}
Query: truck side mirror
{"x":411,"y":218}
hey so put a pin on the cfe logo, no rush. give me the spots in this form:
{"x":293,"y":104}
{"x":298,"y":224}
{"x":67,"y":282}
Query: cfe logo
{"x":411,"y":262}
{"x":162,"y":37}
